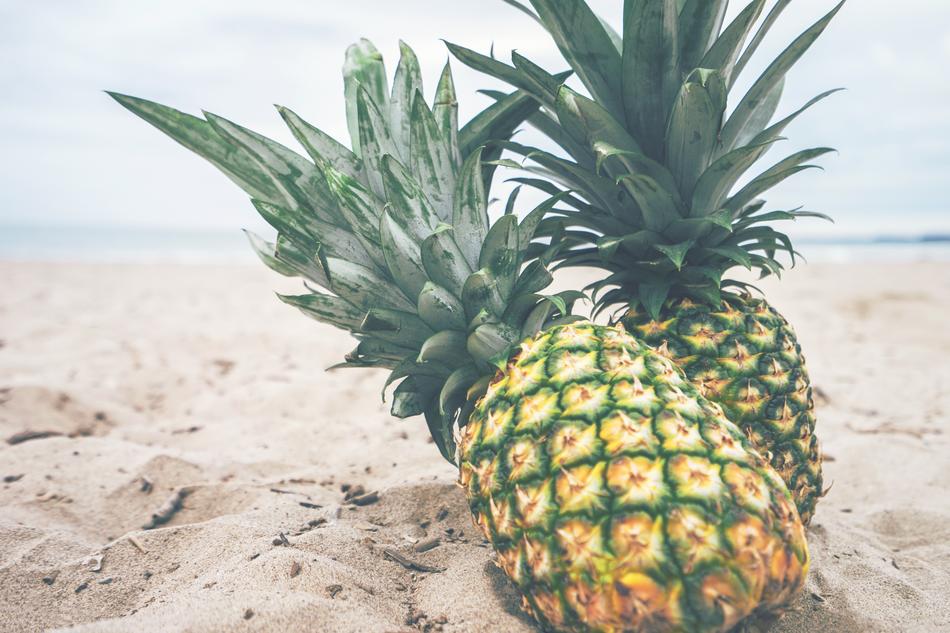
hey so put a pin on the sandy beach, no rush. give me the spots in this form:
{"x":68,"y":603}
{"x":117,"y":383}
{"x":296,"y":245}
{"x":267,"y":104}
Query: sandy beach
{"x":174,"y":458}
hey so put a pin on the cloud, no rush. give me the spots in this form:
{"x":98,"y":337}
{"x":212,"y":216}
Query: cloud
{"x":71,"y":156}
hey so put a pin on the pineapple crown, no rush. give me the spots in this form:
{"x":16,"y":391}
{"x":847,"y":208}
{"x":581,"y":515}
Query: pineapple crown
{"x":654,"y":159}
{"x":392,"y":238}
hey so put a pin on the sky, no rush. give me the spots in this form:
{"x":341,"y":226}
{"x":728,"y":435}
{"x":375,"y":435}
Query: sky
{"x":73,"y":157}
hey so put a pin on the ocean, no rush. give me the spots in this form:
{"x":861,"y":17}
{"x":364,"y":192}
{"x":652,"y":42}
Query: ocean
{"x":128,"y":245}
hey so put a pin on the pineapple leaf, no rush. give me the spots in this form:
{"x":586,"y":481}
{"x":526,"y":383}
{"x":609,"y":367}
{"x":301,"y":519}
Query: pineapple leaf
{"x":446,"y":346}
{"x":720,"y":177}
{"x":587,"y":122}
{"x":409,"y":367}
{"x":490,"y":342}
{"x":396,"y":326}
{"x":363,"y":67}
{"x":456,"y":386}
{"x":760,"y":34}
{"x":772,"y":75}
{"x":363,"y":287}
{"x":361,"y":211}
{"x":656,"y":204}
{"x":200,"y":137}
{"x":559,"y":303}
{"x":482,"y":294}
{"x":406,"y":85}
{"x":534,"y":278}
{"x":446,"y":113}
{"x":375,"y":139}
{"x":408,"y":204}
{"x":322,"y":148}
{"x":499,"y":252}
{"x":607,"y":247}
{"x":301,"y":185}
{"x":512,"y":200}
{"x":549,"y":126}
{"x":443,"y":260}
{"x":430,"y":160}
{"x":724,"y":52}
{"x":597,"y":189}
{"x":267,"y":252}
{"x":326,"y":309}
{"x":531,"y":14}
{"x":694,"y":127}
{"x":403,"y":259}
{"x":777,"y":128}
{"x":309,"y":264}
{"x":732,"y":253}
{"x":529,"y":226}
{"x":440,"y":309}
{"x":470,"y":217}
{"x":497,"y":121}
{"x":696,"y":228}
{"x":499,"y":70}
{"x":304,"y":231}
{"x":548,"y":83}
{"x":636,"y":164}
{"x":761,"y":115}
{"x":409,"y":399}
{"x":774,"y":175}
{"x":676,"y":252}
{"x":440,"y":428}
{"x":650,"y":70}
{"x":587,"y":47}
{"x":537,"y":318}
{"x":359,"y":207}
{"x":379,"y":353}
{"x":699,"y":24}
{"x":652,"y":296}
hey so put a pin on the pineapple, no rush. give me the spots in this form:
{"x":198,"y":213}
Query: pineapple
{"x":652,"y":170}
{"x":618,"y":498}
{"x":615,"y":495}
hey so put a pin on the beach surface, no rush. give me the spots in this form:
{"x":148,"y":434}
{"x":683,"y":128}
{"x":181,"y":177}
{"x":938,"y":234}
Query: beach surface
{"x":173,"y":457}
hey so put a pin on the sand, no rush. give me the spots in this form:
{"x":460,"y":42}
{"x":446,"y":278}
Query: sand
{"x":192,"y":394}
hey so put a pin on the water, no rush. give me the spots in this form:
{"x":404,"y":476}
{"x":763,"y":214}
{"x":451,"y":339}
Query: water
{"x":115,"y":244}
{"x":119,"y":245}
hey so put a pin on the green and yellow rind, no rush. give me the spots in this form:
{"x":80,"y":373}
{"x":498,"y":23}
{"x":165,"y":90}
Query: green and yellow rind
{"x":618,"y":498}
{"x":744,"y":356}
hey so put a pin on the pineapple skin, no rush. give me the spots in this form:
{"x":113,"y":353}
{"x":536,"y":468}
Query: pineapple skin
{"x":744,"y":356}
{"x":619,"y":499}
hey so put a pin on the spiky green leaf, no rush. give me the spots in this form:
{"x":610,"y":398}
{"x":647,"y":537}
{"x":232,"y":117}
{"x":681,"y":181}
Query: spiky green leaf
{"x":694,"y":125}
{"x":698,"y":27}
{"x":363,"y":67}
{"x":470,"y":216}
{"x":406,"y":85}
{"x":650,"y":70}
{"x":200,"y":137}
{"x":771,"y":76}
{"x":321,"y":147}
{"x":443,"y":260}
{"x":440,"y":308}
{"x":587,"y":47}
{"x":326,"y":309}
{"x":431,"y":160}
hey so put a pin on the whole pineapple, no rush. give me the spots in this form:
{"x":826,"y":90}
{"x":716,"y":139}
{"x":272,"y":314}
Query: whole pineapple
{"x":653,"y":166}
{"x":616,"y":496}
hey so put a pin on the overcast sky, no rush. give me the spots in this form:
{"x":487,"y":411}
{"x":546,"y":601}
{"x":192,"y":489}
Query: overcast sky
{"x":71,"y":156}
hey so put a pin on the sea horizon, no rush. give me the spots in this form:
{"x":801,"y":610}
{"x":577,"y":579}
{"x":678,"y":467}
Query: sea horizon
{"x":134,"y":244}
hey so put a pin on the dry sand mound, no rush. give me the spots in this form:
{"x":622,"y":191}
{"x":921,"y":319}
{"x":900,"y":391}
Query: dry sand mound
{"x":173,"y":458}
